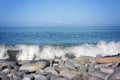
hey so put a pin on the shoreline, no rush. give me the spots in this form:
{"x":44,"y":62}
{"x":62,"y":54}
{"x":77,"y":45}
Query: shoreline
{"x":81,"y":68}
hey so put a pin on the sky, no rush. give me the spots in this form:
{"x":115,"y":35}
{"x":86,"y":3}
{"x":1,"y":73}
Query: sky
{"x":59,"y":12}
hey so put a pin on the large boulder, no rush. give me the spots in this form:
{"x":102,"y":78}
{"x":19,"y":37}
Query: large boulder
{"x":33,"y":66}
{"x":105,"y":60}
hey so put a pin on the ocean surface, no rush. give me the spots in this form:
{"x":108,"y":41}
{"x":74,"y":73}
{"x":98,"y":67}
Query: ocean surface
{"x":32,"y":43}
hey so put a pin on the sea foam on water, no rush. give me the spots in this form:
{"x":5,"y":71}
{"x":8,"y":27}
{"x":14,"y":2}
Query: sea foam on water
{"x":36,"y":52}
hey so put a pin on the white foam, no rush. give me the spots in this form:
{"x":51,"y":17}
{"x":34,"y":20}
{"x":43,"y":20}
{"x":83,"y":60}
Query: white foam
{"x":3,"y":52}
{"x":27,"y":52}
{"x":30,"y":52}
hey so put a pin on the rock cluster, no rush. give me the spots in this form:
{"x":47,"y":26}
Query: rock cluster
{"x":81,"y":68}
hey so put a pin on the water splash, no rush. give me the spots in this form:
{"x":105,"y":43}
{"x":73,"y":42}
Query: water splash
{"x":35,"y":52}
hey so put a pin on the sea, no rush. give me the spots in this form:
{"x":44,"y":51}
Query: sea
{"x":65,"y":42}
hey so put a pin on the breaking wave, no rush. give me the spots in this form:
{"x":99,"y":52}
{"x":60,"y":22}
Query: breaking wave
{"x":36,"y":52}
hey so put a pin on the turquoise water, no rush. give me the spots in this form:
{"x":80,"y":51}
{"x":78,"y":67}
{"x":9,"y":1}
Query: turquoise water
{"x":58,"y":35}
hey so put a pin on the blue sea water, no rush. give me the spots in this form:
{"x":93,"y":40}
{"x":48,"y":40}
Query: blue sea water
{"x":58,"y":35}
{"x":34,"y":43}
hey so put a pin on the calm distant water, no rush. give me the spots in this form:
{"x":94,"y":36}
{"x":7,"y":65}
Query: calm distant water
{"x":58,"y":35}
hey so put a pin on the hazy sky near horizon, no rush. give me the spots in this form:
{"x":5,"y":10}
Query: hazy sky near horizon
{"x":59,"y":12}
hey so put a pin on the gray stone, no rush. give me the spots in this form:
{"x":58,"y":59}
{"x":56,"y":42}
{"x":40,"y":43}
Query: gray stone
{"x":99,"y":74}
{"x":70,"y":64}
{"x":91,"y":67}
{"x":53,"y":77}
{"x":4,"y":77}
{"x":41,"y":72}
{"x":94,"y":78}
{"x":114,"y":76}
{"x":7,"y":64}
{"x":69,"y":73}
{"x":51,"y":70}
{"x":21,"y":62}
{"x":40,"y":77}
{"x":17,"y":75}
{"x":85,"y":59}
{"x":2,"y":73}
{"x":33,"y":66}
{"x":28,"y":77}
{"x":6,"y":71}
{"x":98,"y":56}
{"x":107,"y":69}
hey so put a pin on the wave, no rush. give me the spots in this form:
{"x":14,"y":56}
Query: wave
{"x":36,"y":52}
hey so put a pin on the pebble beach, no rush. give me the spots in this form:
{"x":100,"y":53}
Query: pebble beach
{"x":81,"y":68}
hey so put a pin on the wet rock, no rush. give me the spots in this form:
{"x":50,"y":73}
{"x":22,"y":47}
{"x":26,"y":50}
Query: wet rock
{"x":4,"y":77}
{"x":33,"y":66}
{"x":108,"y":60}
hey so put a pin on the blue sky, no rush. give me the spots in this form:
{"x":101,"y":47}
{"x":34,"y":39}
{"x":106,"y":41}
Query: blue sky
{"x":59,"y":12}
